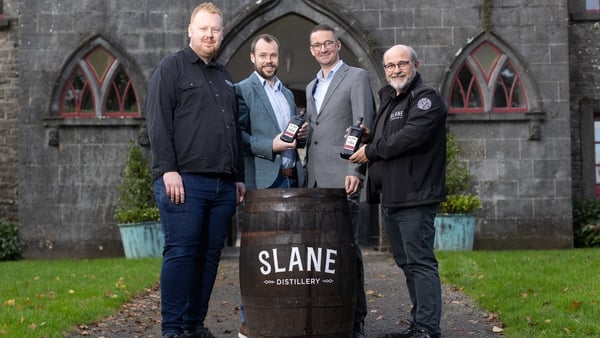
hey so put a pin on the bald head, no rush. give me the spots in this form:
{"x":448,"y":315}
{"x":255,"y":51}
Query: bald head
{"x":400,"y":50}
{"x":400,"y":63}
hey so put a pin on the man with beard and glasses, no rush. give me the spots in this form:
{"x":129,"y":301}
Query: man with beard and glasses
{"x":337,"y":97}
{"x":406,"y":160}
{"x":266,"y":107}
{"x":198,"y":169}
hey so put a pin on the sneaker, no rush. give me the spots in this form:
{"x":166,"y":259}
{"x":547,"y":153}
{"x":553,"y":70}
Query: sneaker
{"x":243,"y":331}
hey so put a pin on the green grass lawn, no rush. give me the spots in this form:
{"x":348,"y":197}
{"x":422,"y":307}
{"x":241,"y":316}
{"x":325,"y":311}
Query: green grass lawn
{"x":46,"y":298}
{"x":535,"y":293}
{"x":551,"y":293}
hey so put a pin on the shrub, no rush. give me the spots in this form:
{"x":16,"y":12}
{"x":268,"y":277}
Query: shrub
{"x":9,"y":240}
{"x":458,"y":198}
{"x":586,"y":223}
{"x":136,"y":194}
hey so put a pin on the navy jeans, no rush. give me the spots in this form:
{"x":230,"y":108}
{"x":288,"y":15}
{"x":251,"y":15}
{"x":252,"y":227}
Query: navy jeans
{"x":411,"y":233}
{"x":195,"y":233}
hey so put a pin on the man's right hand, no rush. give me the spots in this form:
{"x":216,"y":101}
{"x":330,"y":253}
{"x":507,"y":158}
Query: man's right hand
{"x":174,"y":186}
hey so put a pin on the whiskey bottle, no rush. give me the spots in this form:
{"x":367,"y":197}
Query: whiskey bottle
{"x":352,"y":140}
{"x":291,"y":131}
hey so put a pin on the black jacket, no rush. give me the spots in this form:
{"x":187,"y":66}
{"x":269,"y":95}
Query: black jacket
{"x":192,"y":116}
{"x":407,"y":158}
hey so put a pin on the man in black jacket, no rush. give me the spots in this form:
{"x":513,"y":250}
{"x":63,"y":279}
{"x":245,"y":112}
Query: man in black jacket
{"x":406,"y":174}
{"x":198,"y":169}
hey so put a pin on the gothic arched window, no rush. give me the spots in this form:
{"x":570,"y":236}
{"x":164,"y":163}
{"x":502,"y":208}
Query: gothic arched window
{"x":97,"y":83}
{"x":99,"y":87}
{"x":487,"y":81}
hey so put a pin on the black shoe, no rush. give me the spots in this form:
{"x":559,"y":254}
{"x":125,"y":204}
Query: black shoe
{"x":406,"y":333}
{"x":419,"y":333}
{"x":205,"y":333}
{"x":201,"y":333}
{"x":359,"y":330}
{"x":409,"y":331}
{"x":171,"y":335}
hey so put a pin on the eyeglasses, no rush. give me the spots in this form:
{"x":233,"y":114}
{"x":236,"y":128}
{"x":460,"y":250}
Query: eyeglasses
{"x":401,"y":64}
{"x":317,"y":45}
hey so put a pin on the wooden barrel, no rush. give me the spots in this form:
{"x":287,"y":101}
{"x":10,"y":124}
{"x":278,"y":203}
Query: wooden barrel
{"x":298,"y":263}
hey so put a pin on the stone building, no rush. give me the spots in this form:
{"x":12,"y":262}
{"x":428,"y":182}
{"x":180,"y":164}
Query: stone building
{"x":521,"y":79}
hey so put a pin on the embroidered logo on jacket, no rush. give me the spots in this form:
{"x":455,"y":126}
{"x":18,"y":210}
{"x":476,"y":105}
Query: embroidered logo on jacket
{"x":424,"y":103}
{"x":396,"y":115}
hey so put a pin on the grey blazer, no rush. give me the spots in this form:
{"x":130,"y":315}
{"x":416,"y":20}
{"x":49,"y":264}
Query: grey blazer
{"x":348,"y":97}
{"x":259,"y":126}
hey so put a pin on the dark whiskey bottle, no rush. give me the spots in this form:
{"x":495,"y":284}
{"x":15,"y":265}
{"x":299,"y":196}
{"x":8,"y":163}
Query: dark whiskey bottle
{"x":291,"y":131}
{"x":352,"y":140}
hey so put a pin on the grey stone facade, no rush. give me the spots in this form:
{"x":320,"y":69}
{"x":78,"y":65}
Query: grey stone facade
{"x":9,"y":108}
{"x":527,"y":167}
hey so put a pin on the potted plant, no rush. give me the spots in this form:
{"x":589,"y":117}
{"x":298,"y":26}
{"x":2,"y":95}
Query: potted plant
{"x":455,"y":221}
{"x":137,"y":213}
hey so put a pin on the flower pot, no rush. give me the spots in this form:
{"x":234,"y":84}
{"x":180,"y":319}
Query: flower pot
{"x":143,"y":239}
{"x":454,"y":232}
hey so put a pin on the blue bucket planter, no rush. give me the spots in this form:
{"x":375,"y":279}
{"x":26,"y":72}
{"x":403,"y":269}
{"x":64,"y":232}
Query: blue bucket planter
{"x":144,"y":239}
{"x":454,"y":232}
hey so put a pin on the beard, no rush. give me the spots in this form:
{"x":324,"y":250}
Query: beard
{"x":265,"y":75}
{"x":400,"y":83}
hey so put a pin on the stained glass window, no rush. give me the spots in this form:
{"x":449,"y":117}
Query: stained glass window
{"x":99,"y":87}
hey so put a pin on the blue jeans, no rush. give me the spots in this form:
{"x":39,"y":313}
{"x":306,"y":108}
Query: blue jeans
{"x":195,"y":233}
{"x":411,"y":233}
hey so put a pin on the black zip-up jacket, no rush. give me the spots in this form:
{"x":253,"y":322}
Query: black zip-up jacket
{"x":192,"y":115}
{"x":407,"y":158}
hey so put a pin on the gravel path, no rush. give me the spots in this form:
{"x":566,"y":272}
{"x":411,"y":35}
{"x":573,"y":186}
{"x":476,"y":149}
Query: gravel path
{"x":387,"y":297}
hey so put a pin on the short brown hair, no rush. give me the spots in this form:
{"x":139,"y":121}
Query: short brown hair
{"x":207,"y":7}
{"x":325,"y":27}
{"x":267,"y":37}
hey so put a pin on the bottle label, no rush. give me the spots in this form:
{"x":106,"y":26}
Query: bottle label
{"x":291,"y":130}
{"x":351,"y":142}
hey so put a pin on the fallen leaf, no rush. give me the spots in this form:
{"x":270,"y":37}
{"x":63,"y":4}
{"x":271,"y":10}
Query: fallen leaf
{"x":574,"y":305}
{"x":10,"y":302}
{"x":497,"y":329}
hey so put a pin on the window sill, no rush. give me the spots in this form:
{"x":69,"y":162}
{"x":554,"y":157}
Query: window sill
{"x":58,"y":122}
{"x":488,"y":116}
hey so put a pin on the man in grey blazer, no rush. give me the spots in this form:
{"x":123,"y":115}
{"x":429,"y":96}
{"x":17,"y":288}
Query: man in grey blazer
{"x":266,"y":107}
{"x":335,"y":100}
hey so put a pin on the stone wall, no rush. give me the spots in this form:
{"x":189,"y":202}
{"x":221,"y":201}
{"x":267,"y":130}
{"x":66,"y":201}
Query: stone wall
{"x":67,"y":191}
{"x":9,"y":110}
{"x":584,"y":36}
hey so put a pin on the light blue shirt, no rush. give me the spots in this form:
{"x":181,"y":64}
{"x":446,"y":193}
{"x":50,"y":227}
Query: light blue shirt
{"x":282,"y":111}
{"x":323,"y":84}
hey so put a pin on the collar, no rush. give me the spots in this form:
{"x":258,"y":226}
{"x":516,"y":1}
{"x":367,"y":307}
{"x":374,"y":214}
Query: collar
{"x":264,"y":82}
{"x":194,"y":58}
{"x":335,"y":68}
